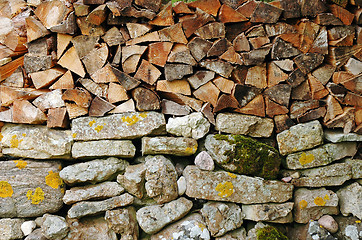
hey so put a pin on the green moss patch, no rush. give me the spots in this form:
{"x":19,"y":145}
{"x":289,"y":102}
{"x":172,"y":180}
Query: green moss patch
{"x":270,"y":233}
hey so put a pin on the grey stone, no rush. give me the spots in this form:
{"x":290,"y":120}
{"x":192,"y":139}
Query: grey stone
{"x":37,"y":234}
{"x":119,"y":126}
{"x":27,"y":227}
{"x":103,"y":148}
{"x":350,"y":228}
{"x":270,"y":212}
{"x":221,"y":218}
{"x":316,"y":232}
{"x":328,"y":223}
{"x":93,"y":171}
{"x":312,"y":204}
{"x":35,"y":141}
{"x":54,"y":227}
{"x":356,"y":165}
{"x":238,"y":234}
{"x":178,"y":146}
{"x":161,"y":179}
{"x":236,"y":123}
{"x":181,"y":186}
{"x":10,"y":228}
{"x":204,"y":161}
{"x":123,"y":221}
{"x":350,"y":200}
{"x":85,"y":208}
{"x":335,"y":136}
{"x":225,"y":186}
{"x":133,"y":179}
{"x":190,"y":227}
{"x":194,"y":125}
{"x":30,"y":188}
{"x":300,"y":137}
{"x":96,"y":191}
{"x":153,"y":218}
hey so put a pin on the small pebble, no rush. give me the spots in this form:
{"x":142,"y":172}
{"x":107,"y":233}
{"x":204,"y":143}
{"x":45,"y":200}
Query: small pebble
{"x":204,"y":161}
{"x":328,"y":223}
{"x":287,"y":179}
{"x":181,"y":185}
{"x":27,"y":227}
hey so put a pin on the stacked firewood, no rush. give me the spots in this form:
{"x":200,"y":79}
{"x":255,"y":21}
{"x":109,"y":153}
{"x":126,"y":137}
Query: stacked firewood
{"x":293,"y":61}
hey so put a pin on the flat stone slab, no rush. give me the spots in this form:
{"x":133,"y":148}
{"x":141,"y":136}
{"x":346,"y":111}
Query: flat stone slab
{"x":225,"y":186}
{"x":194,"y":125}
{"x":104,"y":148}
{"x":11,"y":228}
{"x":178,"y":146}
{"x":35,"y":141}
{"x":30,"y":188}
{"x":270,"y":212}
{"x":335,"y":136}
{"x":119,"y":126}
{"x":253,"y":126}
{"x":350,"y":200}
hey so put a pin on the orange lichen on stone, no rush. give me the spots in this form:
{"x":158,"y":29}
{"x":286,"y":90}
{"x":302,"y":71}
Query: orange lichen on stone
{"x":37,"y":197}
{"x":232,"y":175}
{"x":191,"y":150}
{"x":134,"y":119}
{"x":74,"y":135}
{"x":20,"y":164}
{"x":1,"y":136}
{"x":319,"y":201}
{"x":98,"y":128}
{"x":5,"y":189}
{"x":53,"y":180}
{"x":303,"y":204}
{"x":225,"y":189}
{"x":14,"y":142}
{"x":305,"y":159}
{"x":24,"y":134}
{"x":326,"y":197}
{"x":92,"y":122}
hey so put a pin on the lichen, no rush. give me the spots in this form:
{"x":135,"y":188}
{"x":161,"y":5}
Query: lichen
{"x":37,"y":197}
{"x":74,"y":135}
{"x":20,"y":164}
{"x":225,"y":189}
{"x":231,"y":175}
{"x":14,"y":142}
{"x":53,"y":180}
{"x":98,"y":128}
{"x":303,"y":204}
{"x":134,"y":119}
{"x":305,"y":159}
{"x":5,"y":189}
{"x":319,"y":201}
{"x":270,"y":233}
{"x":92,"y":122}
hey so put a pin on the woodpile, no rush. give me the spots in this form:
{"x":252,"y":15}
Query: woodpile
{"x":293,"y":61}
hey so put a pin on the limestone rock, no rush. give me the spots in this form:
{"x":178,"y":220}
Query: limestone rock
{"x":194,"y":125}
{"x":93,"y":171}
{"x":222,"y":217}
{"x":225,"y":186}
{"x":328,"y":223}
{"x":103,"y":148}
{"x":178,"y":146}
{"x":349,"y":228}
{"x":27,"y":227}
{"x":243,"y":155}
{"x":118,"y":126}
{"x":34,"y":141}
{"x":10,"y":228}
{"x":54,"y":227}
{"x":265,"y":231}
{"x":335,"y":136}
{"x":316,"y":231}
{"x":123,"y":221}
{"x":94,"y":191}
{"x":85,"y":208}
{"x":350,"y":200}
{"x":270,"y":212}
{"x":181,"y":186}
{"x":204,"y":161}
{"x":133,"y":179}
{"x":153,"y":218}
{"x":30,"y":188}
{"x":37,"y":234}
{"x":356,"y":165}
{"x":312,"y":204}
{"x":238,"y":234}
{"x":244,"y":124}
{"x":300,"y":137}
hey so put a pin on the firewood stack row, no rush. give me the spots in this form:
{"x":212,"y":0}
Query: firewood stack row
{"x":293,"y":61}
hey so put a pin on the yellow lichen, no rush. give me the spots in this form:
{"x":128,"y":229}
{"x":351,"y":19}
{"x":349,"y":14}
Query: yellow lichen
{"x":92,"y":122}
{"x":5,"y":189}
{"x":303,"y":204}
{"x":14,"y":142}
{"x":53,"y":180}
{"x":24,"y":134}
{"x":143,"y":115}
{"x":37,"y":197}
{"x":201,"y":226}
{"x":1,"y":136}
{"x":225,"y":189}
{"x":326,"y":197}
{"x":191,"y":150}
{"x":358,"y":221}
{"x":305,"y":159}
{"x":98,"y":128}
{"x":134,"y":119}
{"x":74,"y":135}
{"x":319,"y":201}
{"x":232,"y":175}
{"x":20,"y":164}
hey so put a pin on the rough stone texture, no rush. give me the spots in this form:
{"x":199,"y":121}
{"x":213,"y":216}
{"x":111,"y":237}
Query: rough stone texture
{"x":350,"y":228}
{"x":37,"y":234}
{"x":27,"y":227}
{"x":194,"y":125}
{"x":312,"y":204}
{"x":54,"y":227}
{"x":350,"y":200}
{"x":97,"y":191}
{"x":238,"y":234}
{"x":315,"y":231}
{"x":244,"y":124}
{"x":30,"y":188}
{"x":222,"y":217}
{"x":119,"y":126}
{"x":264,"y":231}
{"x":270,"y":212}
{"x":300,"y":137}
{"x":225,"y":186}
{"x":181,"y":186}
{"x":153,"y":218}
{"x":190,"y":227}
{"x":243,"y":155}
{"x":204,"y":161}
{"x":10,"y":228}
{"x":178,"y":146}
{"x":338,"y":136}
{"x":93,"y":171}
{"x":133,"y":179}
{"x":123,"y":221}
{"x":35,"y":141}
{"x":320,"y":156}
{"x":328,"y":223}
{"x":161,"y":179}
{"x":103,"y":148}
{"x":356,"y":165}
{"x":82,"y":209}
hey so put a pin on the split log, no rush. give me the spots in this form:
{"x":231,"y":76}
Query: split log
{"x":302,"y":91}
{"x":353,"y":99}
{"x":320,"y":44}
{"x":312,"y":7}
{"x":258,"y":42}
{"x":58,"y":118}
{"x":10,"y":68}
{"x":181,"y":8}
{"x":75,"y":111}
{"x":285,"y":65}
{"x":46,"y":78}
{"x":316,"y":87}
{"x":164,"y":17}
{"x":104,"y":75}
{"x":127,"y":106}
{"x":241,"y":43}
{"x":309,"y":61}
{"x":25,"y":112}
{"x":16,"y":79}
{"x":208,"y":6}
{"x":226,"y":101}
{"x":333,"y":108}
{"x":148,"y":37}
{"x":272,"y":108}
{"x":292,"y":9}
{"x":113,"y":37}
{"x":248,"y":8}
{"x":220,"y":67}
{"x":199,"y":48}
{"x":342,"y":36}
{"x":344,"y":15}
{"x":173,"y":33}
{"x":353,"y":66}
{"x":273,"y":30}
{"x":147,"y":72}
{"x":225,"y":85}
{"x":266,"y":13}
{"x":282,"y":49}
{"x":172,"y":108}
{"x":177,"y":71}
{"x":181,"y":54}
{"x":89,"y":29}
{"x":153,"y":5}
{"x":84,"y":44}
{"x":256,"y":31}
{"x":175,"y":86}
{"x":71,"y":61}
{"x":79,"y":96}
{"x":338,"y":56}
{"x":200,"y":78}
{"x":208,"y":113}
{"x":211,"y":30}
{"x":9,"y":94}
{"x":35,"y":63}
{"x":324,"y":73}
{"x":326,"y":19}
{"x":35,"y":29}
{"x":138,"y":29}
{"x":193,"y":103}
{"x":256,"y":56}
{"x":337,"y":91}
{"x":116,"y":93}
{"x":279,"y":93}
{"x":57,"y":9}
{"x":208,"y":93}
{"x":219,"y":47}
{"x":98,"y":15}
{"x":282,"y":123}
{"x":96,"y":59}
{"x":228,"y":15}
{"x":255,"y":107}
{"x":244,"y":94}
{"x":231,"y":56}
{"x":99,"y":90}
{"x":238,"y":74}
{"x":126,"y":81}
{"x":63,"y":41}
{"x":309,"y":32}
{"x":257,"y":76}
{"x":99,"y":107}
{"x":158,"y":53}
{"x":275,"y":74}
{"x":64,"y":82}
{"x":81,"y":9}
{"x":299,"y":108}
{"x":146,"y":100}
{"x":131,"y":56}
{"x":341,"y":120}
{"x":313,"y":115}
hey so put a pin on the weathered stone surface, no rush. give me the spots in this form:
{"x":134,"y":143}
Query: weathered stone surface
{"x":300,"y":137}
{"x":328,"y":223}
{"x":264,"y":231}
{"x":118,"y":126}
{"x":225,"y":186}
{"x":350,"y":200}
{"x":85,"y":208}
{"x":316,"y":231}
{"x":161,"y":179}
{"x":30,"y":188}
{"x":244,"y":124}
{"x":270,"y":212}
{"x":39,"y":142}
{"x":181,"y":186}
{"x":312,"y":204}
{"x":123,"y":221}
{"x":243,"y":155}
{"x":356,"y":165}
{"x":238,"y":234}
{"x":37,"y":234}
{"x":153,"y":218}
{"x":335,"y":136}
{"x":190,"y":227}
{"x":103,"y":148}
{"x":93,"y":171}
{"x":54,"y":227}
{"x":10,"y":228}
{"x":222,"y":217}
{"x":194,"y":125}
{"x":320,"y":156}
{"x":178,"y":146}
{"x":349,"y":228}
{"x":204,"y":161}
{"x":27,"y":227}
{"x":96,"y":191}
{"x":133,"y":179}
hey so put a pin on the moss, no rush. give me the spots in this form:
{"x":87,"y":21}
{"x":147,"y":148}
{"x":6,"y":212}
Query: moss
{"x":270,"y":233}
{"x":251,"y":157}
